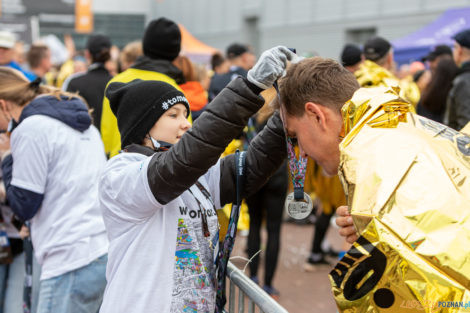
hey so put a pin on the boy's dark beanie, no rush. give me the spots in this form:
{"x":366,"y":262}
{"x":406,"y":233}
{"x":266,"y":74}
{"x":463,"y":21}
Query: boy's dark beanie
{"x":139,"y":104}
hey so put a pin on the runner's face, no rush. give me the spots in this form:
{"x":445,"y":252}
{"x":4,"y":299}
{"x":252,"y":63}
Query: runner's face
{"x":172,"y":125}
{"x":318,"y":133}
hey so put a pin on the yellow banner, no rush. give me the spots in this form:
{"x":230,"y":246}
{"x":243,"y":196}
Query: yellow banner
{"x":83,"y":16}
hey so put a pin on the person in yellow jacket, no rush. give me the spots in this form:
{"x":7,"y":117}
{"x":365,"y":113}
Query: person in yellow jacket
{"x":161,"y":45}
{"x":377,"y":70}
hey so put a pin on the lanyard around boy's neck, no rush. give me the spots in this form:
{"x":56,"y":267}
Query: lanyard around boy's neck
{"x":205,"y":224}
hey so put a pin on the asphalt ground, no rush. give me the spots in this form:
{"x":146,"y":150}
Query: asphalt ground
{"x":300,"y":291}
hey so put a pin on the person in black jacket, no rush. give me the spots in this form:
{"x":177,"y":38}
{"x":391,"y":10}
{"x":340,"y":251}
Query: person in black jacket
{"x":91,"y":85}
{"x":241,"y":60}
{"x":269,"y":200}
{"x":458,"y":102}
{"x":159,"y":196}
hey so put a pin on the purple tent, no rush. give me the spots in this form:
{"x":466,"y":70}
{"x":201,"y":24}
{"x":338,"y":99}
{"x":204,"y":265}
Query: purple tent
{"x":418,"y":44}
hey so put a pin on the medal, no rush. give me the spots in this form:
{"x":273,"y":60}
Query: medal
{"x":298,"y":209}
{"x":298,"y":204}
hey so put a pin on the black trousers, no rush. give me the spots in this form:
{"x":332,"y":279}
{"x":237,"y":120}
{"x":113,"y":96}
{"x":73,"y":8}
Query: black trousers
{"x":321,"y":227}
{"x":269,"y":199}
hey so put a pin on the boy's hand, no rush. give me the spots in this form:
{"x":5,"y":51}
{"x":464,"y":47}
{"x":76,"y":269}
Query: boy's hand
{"x":344,"y":220}
{"x":271,"y":66}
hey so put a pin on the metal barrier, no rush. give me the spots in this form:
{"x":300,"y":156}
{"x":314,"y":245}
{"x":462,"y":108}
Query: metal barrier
{"x":248,"y":290}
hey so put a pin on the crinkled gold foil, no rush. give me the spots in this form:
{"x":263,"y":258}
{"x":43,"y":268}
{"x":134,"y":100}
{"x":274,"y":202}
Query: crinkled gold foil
{"x":406,"y":179}
{"x":370,"y":74}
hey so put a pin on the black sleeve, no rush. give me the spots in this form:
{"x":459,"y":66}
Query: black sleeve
{"x":170,"y":173}
{"x":462,"y":99}
{"x":24,"y":203}
{"x":265,"y":155}
{"x":71,"y":86}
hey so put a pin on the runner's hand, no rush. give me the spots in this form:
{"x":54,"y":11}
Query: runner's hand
{"x":271,"y":65}
{"x":344,"y":220}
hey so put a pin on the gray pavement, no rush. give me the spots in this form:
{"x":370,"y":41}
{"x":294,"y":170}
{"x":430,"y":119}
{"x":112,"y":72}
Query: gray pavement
{"x":300,"y":291}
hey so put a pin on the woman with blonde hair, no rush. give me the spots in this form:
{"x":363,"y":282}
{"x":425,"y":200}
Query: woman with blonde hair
{"x":129,"y":54}
{"x":51,"y":179}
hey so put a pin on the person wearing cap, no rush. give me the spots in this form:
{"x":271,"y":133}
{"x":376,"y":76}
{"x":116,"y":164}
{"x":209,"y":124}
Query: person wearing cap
{"x":51,"y":180}
{"x":377,"y":69}
{"x":91,"y":84}
{"x":160,"y":195}
{"x":458,"y":101}
{"x":436,"y":54}
{"x":352,"y":57}
{"x":241,"y":60}
{"x":161,"y":44}
{"x":7,"y":52}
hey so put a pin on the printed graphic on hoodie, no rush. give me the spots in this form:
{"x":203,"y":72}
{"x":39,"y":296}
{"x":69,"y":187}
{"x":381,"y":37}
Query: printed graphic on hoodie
{"x":193,"y":290}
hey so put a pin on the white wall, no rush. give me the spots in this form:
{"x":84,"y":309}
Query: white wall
{"x":122,"y":7}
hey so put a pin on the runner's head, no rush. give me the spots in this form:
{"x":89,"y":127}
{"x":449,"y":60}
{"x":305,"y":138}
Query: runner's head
{"x":312,"y":95}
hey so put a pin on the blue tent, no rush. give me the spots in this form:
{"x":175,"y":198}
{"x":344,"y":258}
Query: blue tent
{"x":418,"y":44}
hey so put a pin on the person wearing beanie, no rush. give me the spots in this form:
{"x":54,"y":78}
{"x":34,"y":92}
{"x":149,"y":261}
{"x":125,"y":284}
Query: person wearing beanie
{"x":92,"y":83}
{"x":161,"y":44}
{"x":377,"y":70}
{"x":150,"y":100}
{"x":351,"y":57}
{"x":458,"y":100}
{"x":160,"y":195}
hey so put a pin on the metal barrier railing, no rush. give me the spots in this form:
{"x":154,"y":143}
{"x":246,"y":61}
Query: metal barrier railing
{"x":248,"y":293}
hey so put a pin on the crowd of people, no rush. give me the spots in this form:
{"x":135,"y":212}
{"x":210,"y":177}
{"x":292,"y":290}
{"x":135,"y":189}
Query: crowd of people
{"x":111,"y":161}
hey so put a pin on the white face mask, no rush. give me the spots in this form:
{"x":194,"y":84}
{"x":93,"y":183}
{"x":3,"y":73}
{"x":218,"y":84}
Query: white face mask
{"x":155,"y":143}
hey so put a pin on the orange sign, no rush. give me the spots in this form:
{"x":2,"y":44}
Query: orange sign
{"x":83,"y":16}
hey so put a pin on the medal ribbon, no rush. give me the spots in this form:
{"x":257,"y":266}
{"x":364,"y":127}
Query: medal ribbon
{"x":297,"y":167}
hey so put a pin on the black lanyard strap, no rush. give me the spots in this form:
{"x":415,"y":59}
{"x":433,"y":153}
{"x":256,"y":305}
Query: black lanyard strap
{"x":229,"y":241}
{"x":206,"y":194}
{"x":205,"y":225}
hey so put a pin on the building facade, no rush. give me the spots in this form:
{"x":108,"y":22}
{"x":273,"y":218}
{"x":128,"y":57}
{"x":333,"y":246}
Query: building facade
{"x":311,"y":26}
